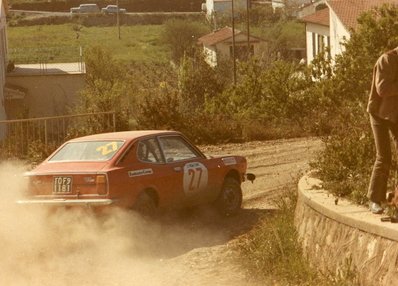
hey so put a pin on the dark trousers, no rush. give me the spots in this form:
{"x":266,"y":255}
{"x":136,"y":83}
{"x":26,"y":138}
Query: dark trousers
{"x":381,"y":168}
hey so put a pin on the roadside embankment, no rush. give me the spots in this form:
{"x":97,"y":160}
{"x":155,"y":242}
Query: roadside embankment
{"x":339,"y":237}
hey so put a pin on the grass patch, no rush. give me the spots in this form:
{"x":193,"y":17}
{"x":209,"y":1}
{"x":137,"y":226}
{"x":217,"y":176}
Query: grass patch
{"x":272,"y":251}
{"x":60,"y":43}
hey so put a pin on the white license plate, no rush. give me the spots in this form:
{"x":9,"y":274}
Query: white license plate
{"x":62,"y":185}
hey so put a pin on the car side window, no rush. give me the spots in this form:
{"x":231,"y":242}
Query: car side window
{"x":148,"y":151}
{"x":175,"y":148}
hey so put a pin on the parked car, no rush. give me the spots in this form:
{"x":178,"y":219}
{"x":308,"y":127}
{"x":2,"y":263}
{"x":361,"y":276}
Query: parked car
{"x":143,"y":170}
{"x":112,"y":9}
{"x":85,"y":8}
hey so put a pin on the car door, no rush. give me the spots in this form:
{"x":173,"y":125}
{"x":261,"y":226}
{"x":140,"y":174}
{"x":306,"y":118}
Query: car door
{"x":192,"y":178}
{"x":143,"y":167}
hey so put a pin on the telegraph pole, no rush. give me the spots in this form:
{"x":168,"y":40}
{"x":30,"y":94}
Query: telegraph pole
{"x":248,"y":28}
{"x":117,"y":19}
{"x":233,"y":40}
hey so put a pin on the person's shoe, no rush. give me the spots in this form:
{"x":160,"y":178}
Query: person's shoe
{"x":375,"y":208}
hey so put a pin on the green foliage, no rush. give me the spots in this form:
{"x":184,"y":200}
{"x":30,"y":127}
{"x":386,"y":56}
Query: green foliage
{"x":181,"y":36}
{"x":106,"y":88}
{"x":198,"y":82}
{"x":161,"y":109}
{"x":273,"y":97}
{"x":346,"y":162}
{"x":282,"y":36}
{"x":272,"y":249}
{"x":347,"y":159}
{"x":38,"y":151}
{"x":140,"y":43}
{"x":264,"y":15}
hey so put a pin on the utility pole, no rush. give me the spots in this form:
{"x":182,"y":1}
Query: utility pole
{"x":233,"y":40}
{"x":118,"y":19}
{"x":248,"y":28}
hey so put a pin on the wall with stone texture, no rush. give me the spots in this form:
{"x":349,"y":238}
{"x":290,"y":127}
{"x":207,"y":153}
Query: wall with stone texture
{"x":339,"y":245}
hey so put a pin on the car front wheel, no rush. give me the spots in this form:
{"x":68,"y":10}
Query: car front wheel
{"x":230,"y":198}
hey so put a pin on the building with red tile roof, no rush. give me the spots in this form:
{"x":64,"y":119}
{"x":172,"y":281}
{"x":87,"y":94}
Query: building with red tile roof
{"x":218,"y":44}
{"x":348,"y":11}
{"x":331,"y":26}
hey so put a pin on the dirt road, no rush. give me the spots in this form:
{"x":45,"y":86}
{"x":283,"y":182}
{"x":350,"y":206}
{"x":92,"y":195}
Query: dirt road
{"x":192,"y":248}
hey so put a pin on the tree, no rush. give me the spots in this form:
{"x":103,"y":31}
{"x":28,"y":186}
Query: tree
{"x":181,"y":36}
{"x":198,"y":82}
{"x":106,"y":87}
{"x":346,"y":161}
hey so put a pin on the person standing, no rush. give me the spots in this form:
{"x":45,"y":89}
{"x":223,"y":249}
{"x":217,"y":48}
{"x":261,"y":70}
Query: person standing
{"x":383,"y":110}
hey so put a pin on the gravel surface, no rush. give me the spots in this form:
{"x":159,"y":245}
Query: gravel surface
{"x":190,"y":248}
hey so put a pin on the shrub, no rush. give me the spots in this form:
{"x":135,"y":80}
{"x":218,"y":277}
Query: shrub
{"x":181,"y":36}
{"x":162,"y":110}
{"x":106,"y":90}
{"x":346,"y":162}
{"x":273,"y":244}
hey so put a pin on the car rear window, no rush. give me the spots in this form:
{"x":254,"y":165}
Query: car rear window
{"x":87,"y":151}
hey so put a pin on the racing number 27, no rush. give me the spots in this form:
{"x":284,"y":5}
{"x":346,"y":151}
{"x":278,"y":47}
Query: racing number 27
{"x":195,"y":175}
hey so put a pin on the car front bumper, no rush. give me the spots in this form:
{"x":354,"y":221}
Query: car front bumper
{"x":65,"y":202}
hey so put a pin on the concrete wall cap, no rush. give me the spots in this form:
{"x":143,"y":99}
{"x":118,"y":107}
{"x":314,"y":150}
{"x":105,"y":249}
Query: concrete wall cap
{"x":311,"y":192}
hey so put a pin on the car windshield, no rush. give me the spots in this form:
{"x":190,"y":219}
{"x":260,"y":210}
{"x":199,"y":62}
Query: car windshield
{"x":87,"y":151}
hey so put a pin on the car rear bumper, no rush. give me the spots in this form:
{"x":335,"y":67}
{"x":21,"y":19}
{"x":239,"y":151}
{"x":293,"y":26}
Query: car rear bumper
{"x":64,"y":202}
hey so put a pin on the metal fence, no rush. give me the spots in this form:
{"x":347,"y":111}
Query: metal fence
{"x":19,"y":138}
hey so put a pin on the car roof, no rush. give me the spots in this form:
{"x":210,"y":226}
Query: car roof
{"x":124,"y":135}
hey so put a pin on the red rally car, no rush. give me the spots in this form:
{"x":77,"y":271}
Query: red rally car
{"x":143,"y":170}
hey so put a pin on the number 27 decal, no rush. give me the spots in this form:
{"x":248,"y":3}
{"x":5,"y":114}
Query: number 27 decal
{"x":195,"y":177}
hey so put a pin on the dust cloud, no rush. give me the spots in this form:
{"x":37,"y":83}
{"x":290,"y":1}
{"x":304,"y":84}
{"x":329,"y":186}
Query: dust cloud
{"x":77,"y":247}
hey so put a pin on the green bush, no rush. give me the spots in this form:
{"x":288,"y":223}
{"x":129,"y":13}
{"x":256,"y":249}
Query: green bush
{"x":162,"y":110}
{"x":271,"y":249}
{"x":346,"y":162}
{"x":106,"y":90}
{"x":181,"y":36}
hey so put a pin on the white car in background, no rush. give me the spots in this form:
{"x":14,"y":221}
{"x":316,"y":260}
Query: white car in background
{"x":85,"y":8}
{"x":112,"y":9}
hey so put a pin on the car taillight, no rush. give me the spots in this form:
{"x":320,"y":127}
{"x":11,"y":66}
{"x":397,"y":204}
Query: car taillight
{"x":101,"y":183}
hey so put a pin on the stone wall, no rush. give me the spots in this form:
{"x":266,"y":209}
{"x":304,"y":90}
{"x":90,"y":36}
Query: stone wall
{"x":345,"y":239}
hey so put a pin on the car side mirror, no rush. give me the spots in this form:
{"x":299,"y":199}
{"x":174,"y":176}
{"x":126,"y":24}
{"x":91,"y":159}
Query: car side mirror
{"x":250,"y":177}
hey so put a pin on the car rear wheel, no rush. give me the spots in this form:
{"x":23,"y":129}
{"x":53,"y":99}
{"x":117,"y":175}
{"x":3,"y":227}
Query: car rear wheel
{"x":230,"y":198}
{"x":145,"y":205}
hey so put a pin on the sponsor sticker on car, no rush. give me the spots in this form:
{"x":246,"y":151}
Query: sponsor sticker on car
{"x":229,"y":161}
{"x":141,"y":172}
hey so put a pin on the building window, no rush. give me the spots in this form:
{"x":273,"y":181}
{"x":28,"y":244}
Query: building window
{"x":313,"y":45}
{"x":321,"y":44}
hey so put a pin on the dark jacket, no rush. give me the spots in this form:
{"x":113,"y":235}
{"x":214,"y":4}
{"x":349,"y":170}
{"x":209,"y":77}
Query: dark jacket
{"x":383,"y":97}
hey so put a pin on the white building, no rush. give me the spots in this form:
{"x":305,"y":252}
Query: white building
{"x":331,"y":26}
{"x":3,"y":59}
{"x":222,"y":7}
{"x":317,"y":33}
{"x":218,"y":45}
